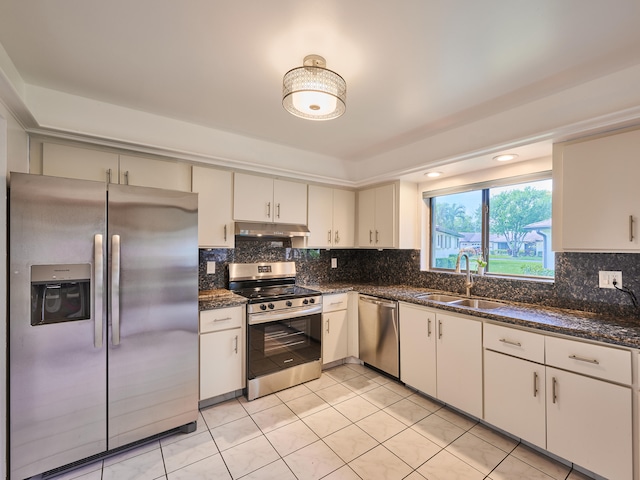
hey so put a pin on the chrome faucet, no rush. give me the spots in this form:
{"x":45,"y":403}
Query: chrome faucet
{"x":469,"y":282}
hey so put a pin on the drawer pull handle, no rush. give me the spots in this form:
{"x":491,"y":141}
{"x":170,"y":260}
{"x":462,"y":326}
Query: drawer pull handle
{"x":236,"y":346}
{"x":631,"y":228}
{"x":554,"y":390}
{"x":535,"y":384}
{"x":329,"y":237}
{"x":336,"y":303}
{"x":439,"y":328}
{"x":429,"y":328}
{"x":510,"y":342}
{"x":328,"y":325}
{"x":288,"y":360}
{"x":225,"y":319}
{"x":582,"y":359}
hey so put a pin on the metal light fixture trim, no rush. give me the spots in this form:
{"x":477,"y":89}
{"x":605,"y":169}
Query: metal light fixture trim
{"x":313,"y":91}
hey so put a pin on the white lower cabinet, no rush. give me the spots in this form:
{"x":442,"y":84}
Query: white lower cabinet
{"x":514,"y":396}
{"x":335,"y":328}
{"x":418,"y":348}
{"x":222,"y":351}
{"x":459,"y":362}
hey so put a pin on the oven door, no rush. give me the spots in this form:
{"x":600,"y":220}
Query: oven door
{"x":280,"y":344}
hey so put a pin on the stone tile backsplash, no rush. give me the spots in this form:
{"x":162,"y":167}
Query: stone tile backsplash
{"x":575,"y":285}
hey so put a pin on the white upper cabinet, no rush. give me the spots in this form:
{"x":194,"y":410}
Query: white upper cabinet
{"x":263,"y":199}
{"x":388,"y":216}
{"x":215,"y":225}
{"x":376,"y":217}
{"x":103,"y":166}
{"x":596,"y":197}
{"x":331,"y":217}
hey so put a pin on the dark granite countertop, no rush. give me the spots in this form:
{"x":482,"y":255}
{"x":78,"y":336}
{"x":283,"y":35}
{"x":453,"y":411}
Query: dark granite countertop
{"x":617,"y":331}
{"x":211,"y":299}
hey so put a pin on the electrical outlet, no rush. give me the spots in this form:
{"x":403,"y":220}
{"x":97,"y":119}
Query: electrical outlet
{"x":606,"y":279}
{"x":211,"y":267}
{"x":334,"y":263}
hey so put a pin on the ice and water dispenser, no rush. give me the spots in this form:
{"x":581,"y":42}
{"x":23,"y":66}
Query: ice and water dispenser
{"x":60,"y":293}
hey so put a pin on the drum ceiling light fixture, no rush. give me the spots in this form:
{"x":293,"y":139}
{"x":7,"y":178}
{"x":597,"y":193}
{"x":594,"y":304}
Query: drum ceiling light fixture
{"x":314,"y":92}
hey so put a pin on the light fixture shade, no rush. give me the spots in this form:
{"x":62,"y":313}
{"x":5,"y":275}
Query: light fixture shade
{"x":313,"y":92}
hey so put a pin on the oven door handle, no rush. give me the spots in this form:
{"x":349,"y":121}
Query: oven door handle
{"x":257,"y":318}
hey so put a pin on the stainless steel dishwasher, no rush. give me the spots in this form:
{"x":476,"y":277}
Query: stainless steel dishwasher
{"x":378,"y":332}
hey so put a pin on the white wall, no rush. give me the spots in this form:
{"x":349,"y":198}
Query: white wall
{"x":13,"y":157}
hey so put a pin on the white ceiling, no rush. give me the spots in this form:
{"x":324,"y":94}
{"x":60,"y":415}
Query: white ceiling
{"x":413,"y":67}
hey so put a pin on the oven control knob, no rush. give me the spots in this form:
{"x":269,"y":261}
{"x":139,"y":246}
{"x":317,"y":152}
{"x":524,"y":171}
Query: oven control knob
{"x":263,"y":307}
{"x":289,"y":303}
{"x":271,"y":306}
{"x":305,"y":301}
{"x":312,"y":300}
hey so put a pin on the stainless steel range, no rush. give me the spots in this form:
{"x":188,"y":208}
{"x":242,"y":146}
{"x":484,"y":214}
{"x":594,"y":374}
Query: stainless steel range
{"x":284,"y":326}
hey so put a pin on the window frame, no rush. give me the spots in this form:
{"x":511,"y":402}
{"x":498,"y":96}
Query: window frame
{"x":484,"y":187}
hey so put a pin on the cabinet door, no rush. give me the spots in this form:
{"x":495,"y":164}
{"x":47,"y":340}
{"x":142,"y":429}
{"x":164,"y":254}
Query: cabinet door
{"x":459,"y":361}
{"x":215,"y":227}
{"x":600,"y":199}
{"x":82,"y":163}
{"x":334,"y":336}
{"x":366,"y":217}
{"x":147,"y":172}
{"x":385,"y":216}
{"x":418,"y":348}
{"x":290,"y":202}
{"x":320,"y":217}
{"x":514,"y":396}
{"x":221,"y":362}
{"x":344,"y":218}
{"x":589,"y":423}
{"x":252,"y":198}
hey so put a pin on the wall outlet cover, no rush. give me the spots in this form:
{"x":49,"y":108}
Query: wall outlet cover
{"x":606,"y":278}
{"x":334,"y":263}
{"x":211,"y":267}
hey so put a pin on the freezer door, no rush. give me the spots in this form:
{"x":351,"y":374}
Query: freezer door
{"x":153,"y":335}
{"x":57,"y":371}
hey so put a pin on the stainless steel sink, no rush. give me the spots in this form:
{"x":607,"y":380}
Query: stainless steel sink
{"x":439,"y":297}
{"x":477,"y":303}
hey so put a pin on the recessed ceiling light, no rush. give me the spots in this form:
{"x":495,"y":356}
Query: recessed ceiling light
{"x":433,"y":174}
{"x":505,"y":157}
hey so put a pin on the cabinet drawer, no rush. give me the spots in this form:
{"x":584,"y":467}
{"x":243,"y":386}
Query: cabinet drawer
{"x":519,"y":343}
{"x":220,"y":319}
{"x":595,"y":360}
{"x":333,"y":302}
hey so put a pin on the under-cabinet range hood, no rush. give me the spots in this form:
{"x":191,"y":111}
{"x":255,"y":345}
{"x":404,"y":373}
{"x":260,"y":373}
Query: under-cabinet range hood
{"x":279,"y":230}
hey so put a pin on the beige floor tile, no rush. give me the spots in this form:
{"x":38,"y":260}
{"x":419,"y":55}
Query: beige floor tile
{"x":456,"y":418}
{"x":343,"y":473}
{"x":382,"y":397}
{"x":380,"y":464}
{"x":259,"y":404}
{"x":360,"y":384}
{"x":356,"y":408}
{"x":543,"y":463}
{"x":274,"y":417}
{"x":188,"y":450}
{"x":496,"y":439}
{"x":341,"y":373}
{"x":350,"y":442}
{"x":313,"y":461}
{"x":147,"y":466}
{"x":412,"y":448}
{"x":323,"y":382}
{"x":381,"y":426}
{"x":476,"y":452}
{"x":222,"y":413}
{"x":234,"y":433}
{"x":307,"y":405}
{"x":210,"y":468}
{"x":427,"y":403}
{"x":445,"y":466}
{"x":249,"y":456}
{"x":407,"y":412}
{"x":291,"y":437}
{"x":277,"y":470}
{"x":326,"y":422}
{"x":438,"y":430}
{"x":512,"y":468}
{"x":335,"y":394}
{"x":293,"y":392}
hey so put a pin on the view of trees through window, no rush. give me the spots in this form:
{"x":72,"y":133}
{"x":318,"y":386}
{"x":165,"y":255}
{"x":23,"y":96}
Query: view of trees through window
{"x":507,"y":227}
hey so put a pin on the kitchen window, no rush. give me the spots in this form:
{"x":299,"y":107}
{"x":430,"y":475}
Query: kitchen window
{"x":505,"y":223}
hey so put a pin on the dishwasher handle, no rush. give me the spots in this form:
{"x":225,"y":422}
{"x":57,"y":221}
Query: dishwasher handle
{"x":380,"y":302}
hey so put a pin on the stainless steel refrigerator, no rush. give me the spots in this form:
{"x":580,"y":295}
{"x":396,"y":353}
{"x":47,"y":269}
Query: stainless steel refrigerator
{"x":103,"y":318}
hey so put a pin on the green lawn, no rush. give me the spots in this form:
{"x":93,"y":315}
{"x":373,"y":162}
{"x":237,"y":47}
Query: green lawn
{"x":509,"y":265}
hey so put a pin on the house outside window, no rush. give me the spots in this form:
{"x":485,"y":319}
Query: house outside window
{"x":506,"y":223}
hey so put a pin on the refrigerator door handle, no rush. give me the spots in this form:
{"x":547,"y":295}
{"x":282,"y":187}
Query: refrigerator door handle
{"x":115,"y":290}
{"x":98,"y":291}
